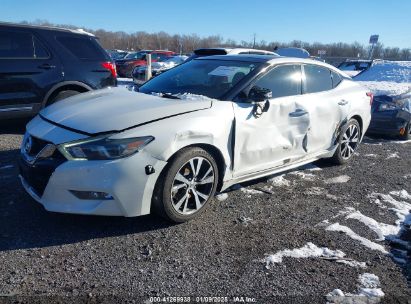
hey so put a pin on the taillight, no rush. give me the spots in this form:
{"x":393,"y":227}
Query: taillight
{"x":371,"y":95}
{"x":111,"y":67}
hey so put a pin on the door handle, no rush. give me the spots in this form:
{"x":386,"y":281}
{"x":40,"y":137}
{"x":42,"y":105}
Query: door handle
{"x":298,"y":113}
{"x":46,"y":66}
{"x":343,"y":102}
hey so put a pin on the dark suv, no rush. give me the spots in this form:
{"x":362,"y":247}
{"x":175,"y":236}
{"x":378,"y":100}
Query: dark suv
{"x":40,"y":65}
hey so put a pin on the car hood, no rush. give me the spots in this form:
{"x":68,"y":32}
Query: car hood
{"x":117,"y":109}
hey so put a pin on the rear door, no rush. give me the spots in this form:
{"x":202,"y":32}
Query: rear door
{"x":278,"y":136}
{"x":326,"y":106}
{"x":27,"y":70}
{"x":84,"y":59}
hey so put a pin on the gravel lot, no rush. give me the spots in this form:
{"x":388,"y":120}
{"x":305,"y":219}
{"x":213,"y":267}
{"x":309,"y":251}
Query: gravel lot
{"x":68,"y":258}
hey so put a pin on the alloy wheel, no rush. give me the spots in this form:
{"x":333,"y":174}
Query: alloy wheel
{"x":192,"y":186}
{"x":350,"y":141}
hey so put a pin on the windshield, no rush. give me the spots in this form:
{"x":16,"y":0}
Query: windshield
{"x":211,"y":78}
{"x":137,"y":55}
{"x":176,"y":59}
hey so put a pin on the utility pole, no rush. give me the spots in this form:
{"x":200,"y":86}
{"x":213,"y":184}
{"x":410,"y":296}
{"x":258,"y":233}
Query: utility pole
{"x":254,"y":40}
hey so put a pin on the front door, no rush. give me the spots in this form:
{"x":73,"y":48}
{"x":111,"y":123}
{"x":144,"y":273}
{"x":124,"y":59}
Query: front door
{"x":278,"y":136}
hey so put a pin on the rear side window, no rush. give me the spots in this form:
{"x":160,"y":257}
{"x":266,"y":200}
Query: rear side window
{"x":282,"y":81}
{"x":21,"y":45}
{"x":83,"y":48}
{"x":336,"y":78}
{"x":317,"y":79}
{"x":16,"y":45}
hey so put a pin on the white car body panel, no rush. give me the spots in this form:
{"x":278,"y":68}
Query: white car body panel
{"x":246,"y":144}
{"x":94,"y":112}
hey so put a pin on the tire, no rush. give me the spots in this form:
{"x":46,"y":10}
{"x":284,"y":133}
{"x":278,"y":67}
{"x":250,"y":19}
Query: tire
{"x":186,"y":186}
{"x":62,"y":95}
{"x":348,"y":142}
{"x":407,"y":134}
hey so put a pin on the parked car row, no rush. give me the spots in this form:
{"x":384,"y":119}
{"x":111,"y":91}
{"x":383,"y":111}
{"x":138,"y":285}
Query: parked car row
{"x":157,"y":67}
{"x":126,"y":65}
{"x":162,"y":65}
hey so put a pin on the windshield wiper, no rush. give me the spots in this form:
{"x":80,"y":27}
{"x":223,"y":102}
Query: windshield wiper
{"x":168,"y":95}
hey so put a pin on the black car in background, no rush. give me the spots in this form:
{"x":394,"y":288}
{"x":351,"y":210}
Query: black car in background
{"x":40,"y":65}
{"x":391,"y":115}
{"x":354,"y":67}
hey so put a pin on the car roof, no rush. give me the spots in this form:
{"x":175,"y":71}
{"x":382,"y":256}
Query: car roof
{"x":241,"y":57}
{"x":48,"y":28}
{"x":271,"y":59}
{"x":224,"y":51}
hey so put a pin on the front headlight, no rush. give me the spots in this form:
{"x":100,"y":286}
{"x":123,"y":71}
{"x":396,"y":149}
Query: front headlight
{"x":104,"y":148}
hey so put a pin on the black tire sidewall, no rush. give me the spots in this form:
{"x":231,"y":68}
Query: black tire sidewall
{"x":162,"y":197}
{"x":407,"y":135}
{"x":62,"y":95}
{"x":337,"y":158}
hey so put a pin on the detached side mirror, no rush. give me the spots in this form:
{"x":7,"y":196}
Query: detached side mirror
{"x":258,"y":94}
{"x":261,"y":97}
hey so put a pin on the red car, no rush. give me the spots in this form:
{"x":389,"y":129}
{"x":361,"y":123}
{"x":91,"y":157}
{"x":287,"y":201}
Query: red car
{"x":126,"y":65}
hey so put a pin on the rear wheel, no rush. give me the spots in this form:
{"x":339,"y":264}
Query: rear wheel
{"x":348,"y":142}
{"x":187,"y":185}
{"x":407,"y":133}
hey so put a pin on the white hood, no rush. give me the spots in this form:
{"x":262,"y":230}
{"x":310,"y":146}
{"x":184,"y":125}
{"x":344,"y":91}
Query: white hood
{"x":116,"y":109}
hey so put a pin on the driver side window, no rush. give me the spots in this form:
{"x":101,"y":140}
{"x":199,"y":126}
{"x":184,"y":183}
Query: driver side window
{"x":283,"y":80}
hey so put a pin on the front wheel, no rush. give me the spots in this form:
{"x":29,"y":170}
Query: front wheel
{"x":186,"y":186}
{"x":348,"y":142}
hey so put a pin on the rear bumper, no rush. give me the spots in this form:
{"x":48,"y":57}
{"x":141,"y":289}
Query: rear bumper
{"x":383,"y":124}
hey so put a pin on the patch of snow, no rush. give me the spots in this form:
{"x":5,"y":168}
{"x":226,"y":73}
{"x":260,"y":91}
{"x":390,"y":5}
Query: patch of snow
{"x":316,"y":191}
{"x":382,"y":230}
{"x":393,"y":155}
{"x":353,"y":263}
{"x":401,"y":208}
{"x":403,"y":194}
{"x":371,"y":155}
{"x":407,"y":176}
{"x":279,"y":181}
{"x":385,"y":70}
{"x":369,"y":280}
{"x":189,"y":96}
{"x":400,"y":141}
{"x":310,"y":250}
{"x":250,"y":191}
{"x":221,"y":197}
{"x":379,"y":88}
{"x":304,"y":175}
{"x":368,"y":292}
{"x":338,"y":180}
{"x":310,"y":167}
{"x":320,"y":191}
{"x":365,"y":242}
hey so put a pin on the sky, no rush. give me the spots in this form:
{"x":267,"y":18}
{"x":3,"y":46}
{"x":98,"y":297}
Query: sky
{"x":307,"y":20}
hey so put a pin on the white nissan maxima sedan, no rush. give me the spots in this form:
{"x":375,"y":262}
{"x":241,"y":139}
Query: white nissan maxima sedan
{"x":193,"y":130}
